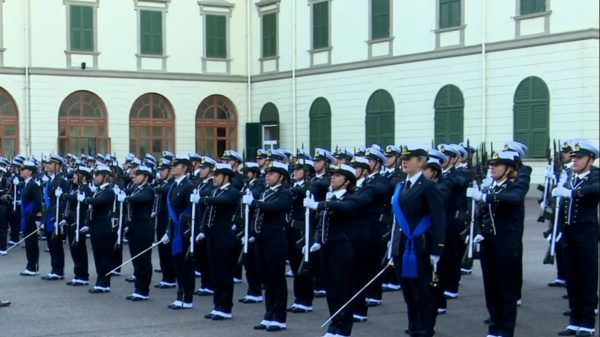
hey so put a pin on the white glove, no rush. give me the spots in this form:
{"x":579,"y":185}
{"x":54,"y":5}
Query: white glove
{"x":45,"y":178}
{"x":80,"y":197}
{"x":58,"y":192}
{"x":153,"y":215}
{"x":550,"y":172}
{"x":39,"y":225}
{"x":328,"y":196}
{"x":116,"y":189}
{"x":313,"y":248}
{"x":478,"y":238}
{"x":250,"y":240}
{"x":165,"y":239}
{"x":93,"y":188}
{"x":310,"y":203}
{"x":84,"y":229}
{"x":194,"y":198}
{"x":62,"y":223}
{"x":434,"y":259}
{"x":488,"y":181}
{"x":474,"y":193}
{"x":247,"y":199}
{"x":121,"y":196}
{"x":15,"y":181}
{"x":200,"y":237}
{"x":562,"y":192}
{"x":233,"y":228}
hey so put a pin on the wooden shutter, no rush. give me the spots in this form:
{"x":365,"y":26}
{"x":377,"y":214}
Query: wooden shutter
{"x":380,"y":19}
{"x":449,"y":13}
{"x":379,"y":123}
{"x":320,"y":124}
{"x":216,"y":40}
{"x":253,"y":139}
{"x":269,"y":32}
{"x":532,"y":6}
{"x":531,"y":116}
{"x":449,"y":115}
{"x":81,"y":28}
{"x":321,"y":25}
{"x":151,"y":32}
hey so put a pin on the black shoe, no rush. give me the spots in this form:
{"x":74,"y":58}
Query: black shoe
{"x":556,"y":284}
{"x":138,"y":299}
{"x":4,"y":304}
{"x":260,"y":326}
{"x":209,"y":316}
{"x":584,"y":333}
{"x":165,"y":286}
{"x":218,"y":318}
{"x":272,"y":328}
{"x":566,"y":297}
{"x":52,"y":277}
{"x":157,"y":270}
{"x":203,"y":293}
{"x":98,"y":291}
{"x":130,"y":279}
{"x":567,"y":313}
{"x":248,"y":301}
{"x":487,"y":321}
{"x":567,"y":332}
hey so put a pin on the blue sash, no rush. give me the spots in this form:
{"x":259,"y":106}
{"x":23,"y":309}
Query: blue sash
{"x":409,"y":258}
{"x":25,"y":211}
{"x":50,"y":210}
{"x":177,"y":235}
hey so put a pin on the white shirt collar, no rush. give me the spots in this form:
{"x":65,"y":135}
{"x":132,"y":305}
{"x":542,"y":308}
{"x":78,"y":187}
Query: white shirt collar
{"x":299,"y":183}
{"x":206,"y":180}
{"x":498,"y":183}
{"x":582,"y":175}
{"x":178,"y":180}
{"x":372,"y":174}
{"x":339,"y":193}
{"x":27,"y":180}
{"x":360,"y":181}
{"x":319,"y":175}
{"x":104,"y":185}
{"x":390,"y":170}
{"x":224,"y":186}
{"x":414,"y":178}
{"x":274,"y":187}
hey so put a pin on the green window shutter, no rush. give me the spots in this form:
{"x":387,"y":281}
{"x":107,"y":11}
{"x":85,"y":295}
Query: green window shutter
{"x":449,"y":115}
{"x":269,"y":114}
{"x":320,"y":124}
{"x":253,"y":139}
{"x":216,"y":36}
{"x":380,"y":19}
{"x":379,"y":123}
{"x":269,"y":35}
{"x":531,"y":116}
{"x":82,"y":28}
{"x":151,"y":38}
{"x":532,"y":6}
{"x":321,"y":25}
{"x":449,"y":13}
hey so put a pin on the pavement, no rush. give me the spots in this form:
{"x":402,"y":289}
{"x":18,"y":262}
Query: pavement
{"x":50,"y":308}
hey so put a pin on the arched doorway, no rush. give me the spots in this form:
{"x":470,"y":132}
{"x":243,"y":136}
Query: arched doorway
{"x":82,"y":124}
{"x":216,"y":126}
{"x":151,"y":125}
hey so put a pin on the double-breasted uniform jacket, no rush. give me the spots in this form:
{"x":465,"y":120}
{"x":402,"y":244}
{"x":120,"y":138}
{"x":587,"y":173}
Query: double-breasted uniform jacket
{"x":31,"y":202}
{"x":50,"y":201}
{"x":335,"y":216}
{"x":179,"y":195}
{"x":271,"y":209}
{"x":422,"y":199}
{"x":221,"y":207}
{"x":581,"y":209}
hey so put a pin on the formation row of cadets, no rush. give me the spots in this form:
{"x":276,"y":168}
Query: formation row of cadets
{"x":351,"y":233}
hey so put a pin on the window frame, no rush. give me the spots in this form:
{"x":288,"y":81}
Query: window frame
{"x":225,"y":9}
{"x":9,"y":121}
{"x":214,"y":102}
{"x":207,"y":48}
{"x":274,"y":36}
{"x":372,"y":21}
{"x":141,"y":50}
{"x":376,"y":116}
{"x":531,"y":102}
{"x":69,"y":52}
{"x":312,"y":24}
{"x":440,"y":15}
{"x":317,"y":118}
{"x":533,"y":13}
{"x":151,"y":122}
{"x":448,"y":108}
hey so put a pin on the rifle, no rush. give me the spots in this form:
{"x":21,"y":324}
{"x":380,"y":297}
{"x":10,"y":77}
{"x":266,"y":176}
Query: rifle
{"x":304,"y":265}
{"x":193,"y":225}
{"x":551,"y":252}
{"x":244,"y":254}
{"x":120,"y":227}
{"x":546,"y":188}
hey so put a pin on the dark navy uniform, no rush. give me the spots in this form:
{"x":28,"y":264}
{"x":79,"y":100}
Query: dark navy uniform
{"x":102,"y":235}
{"x":205,"y":188}
{"x":141,"y":235}
{"x":162,"y":220}
{"x":221,"y":206}
{"x":78,"y":249}
{"x":254,"y":293}
{"x":31,"y":211}
{"x":55,"y":238}
{"x":417,"y":201}
{"x":271,"y":249}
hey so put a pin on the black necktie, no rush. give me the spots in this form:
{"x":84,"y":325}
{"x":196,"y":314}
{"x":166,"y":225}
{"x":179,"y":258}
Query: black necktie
{"x":408,"y":185}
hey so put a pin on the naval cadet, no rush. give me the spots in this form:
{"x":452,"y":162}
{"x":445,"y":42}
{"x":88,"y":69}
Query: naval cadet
{"x":31,"y":215}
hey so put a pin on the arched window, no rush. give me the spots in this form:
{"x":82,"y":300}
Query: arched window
{"x":379,"y":127}
{"x":449,"y":108}
{"x":151,"y":125}
{"x":216,"y":126}
{"x":531,"y":114}
{"x":9,"y":125}
{"x":82,"y":124}
{"x":320,"y":124}
{"x":269,"y":118}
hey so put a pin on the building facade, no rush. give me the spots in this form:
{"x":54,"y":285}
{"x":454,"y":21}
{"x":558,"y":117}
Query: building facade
{"x":148,"y":75}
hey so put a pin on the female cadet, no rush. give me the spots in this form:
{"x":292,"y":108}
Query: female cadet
{"x":499,"y":224}
{"x":271,"y":243}
{"x":78,"y":222}
{"x":579,"y":213}
{"x":337,"y":257}
{"x":141,"y":230}
{"x":419,"y":212}
{"x":216,"y":228}
{"x":103,"y":237}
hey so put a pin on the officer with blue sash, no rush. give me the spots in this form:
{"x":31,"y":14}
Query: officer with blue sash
{"x":31,"y":215}
{"x":55,"y":186}
{"x":178,"y":206}
{"x":419,"y":212}
{"x":162,"y":185}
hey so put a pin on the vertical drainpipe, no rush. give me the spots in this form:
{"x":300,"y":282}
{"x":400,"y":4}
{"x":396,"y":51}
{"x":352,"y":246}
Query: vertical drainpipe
{"x":27,"y":87}
{"x":483,"y":70}
{"x":248,"y":67}
{"x":294,"y":49}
